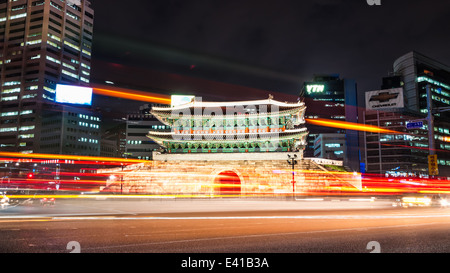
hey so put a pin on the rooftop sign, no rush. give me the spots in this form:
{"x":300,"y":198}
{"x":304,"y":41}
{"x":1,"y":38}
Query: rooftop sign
{"x":384,"y":99}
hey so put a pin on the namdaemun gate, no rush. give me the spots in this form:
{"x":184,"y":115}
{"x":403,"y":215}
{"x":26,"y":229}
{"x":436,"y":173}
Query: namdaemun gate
{"x":235,"y":148}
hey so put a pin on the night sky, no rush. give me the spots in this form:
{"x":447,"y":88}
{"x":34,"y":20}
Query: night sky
{"x":269,"y":45}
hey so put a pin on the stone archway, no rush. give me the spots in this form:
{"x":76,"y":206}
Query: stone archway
{"x":227,"y":183}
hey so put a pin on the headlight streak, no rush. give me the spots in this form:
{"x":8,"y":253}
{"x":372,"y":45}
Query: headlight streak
{"x":350,"y":126}
{"x":308,"y":182}
{"x":132,"y":95}
{"x":72,"y":157}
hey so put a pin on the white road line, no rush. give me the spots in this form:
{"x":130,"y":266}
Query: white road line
{"x":308,"y":217}
{"x":260,"y":235}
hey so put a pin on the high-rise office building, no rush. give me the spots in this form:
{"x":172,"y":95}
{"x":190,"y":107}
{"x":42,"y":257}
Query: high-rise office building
{"x":138,"y":145}
{"x":70,"y":130}
{"x":113,"y":140}
{"x":405,"y":155}
{"x":418,"y":71}
{"x":330,"y":146}
{"x":42,"y":43}
{"x":330,"y":97}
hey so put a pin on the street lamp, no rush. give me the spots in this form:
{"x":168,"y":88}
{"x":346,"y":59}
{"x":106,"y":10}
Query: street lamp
{"x":121,"y":180}
{"x":292,"y":161}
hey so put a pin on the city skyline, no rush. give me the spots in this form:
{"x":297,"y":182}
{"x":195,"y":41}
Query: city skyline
{"x":227,"y":127}
{"x":265,"y":45}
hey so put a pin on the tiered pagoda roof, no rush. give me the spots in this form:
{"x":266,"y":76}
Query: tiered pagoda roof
{"x":238,"y":126}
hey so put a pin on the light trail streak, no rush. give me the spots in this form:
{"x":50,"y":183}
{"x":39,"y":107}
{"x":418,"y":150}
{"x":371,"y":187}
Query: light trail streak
{"x":307,"y":217}
{"x":72,"y":157}
{"x":204,"y":184}
{"x":350,"y":126}
{"x":60,"y":161}
{"x":132,"y":95}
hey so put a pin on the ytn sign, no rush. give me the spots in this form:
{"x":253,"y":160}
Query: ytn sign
{"x":315,"y":88}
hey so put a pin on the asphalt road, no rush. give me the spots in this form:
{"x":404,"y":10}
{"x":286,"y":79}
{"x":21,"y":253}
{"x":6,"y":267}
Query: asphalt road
{"x":224,"y":226}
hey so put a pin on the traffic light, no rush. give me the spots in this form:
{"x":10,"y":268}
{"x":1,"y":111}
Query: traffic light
{"x":30,"y":175}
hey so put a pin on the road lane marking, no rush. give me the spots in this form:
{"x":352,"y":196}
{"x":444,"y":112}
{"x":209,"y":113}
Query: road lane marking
{"x":307,"y":217}
{"x":258,"y":235}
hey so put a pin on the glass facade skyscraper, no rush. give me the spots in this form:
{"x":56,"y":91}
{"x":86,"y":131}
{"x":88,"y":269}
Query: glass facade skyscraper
{"x":42,"y":43}
{"x":330,"y":97}
{"x":406,"y":155}
{"x":417,"y":71}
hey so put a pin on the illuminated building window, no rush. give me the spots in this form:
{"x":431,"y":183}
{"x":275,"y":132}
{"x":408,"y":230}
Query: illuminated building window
{"x":56,"y":6}
{"x":69,"y":66}
{"x":70,"y":74}
{"x":26,"y":112}
{"x":34,"y":42}
{"x":54,"y":37}
{"x":29,"y":96}
{"x":8,"y":114}
{"x":10,"y":98}
{"x":33,"y":87}
{"x":26,"y":128}
{"x":16,"y":8}
{"x":70,"y":14}
{"x":10,"y":83}
{"x":8,"y":129}
{"x":9,"y":91}
{"x":6,"y":145}
{"x":332,"y":145}
{"x":49,"y":89}
{"x":47,"y":97}
{"x":72,"y":45}
{"x":426,"y":79}
{"x":35,"y":4}
{"x":53,"y":59}
{"x":21,"y":15}
{"x":53,"y":44}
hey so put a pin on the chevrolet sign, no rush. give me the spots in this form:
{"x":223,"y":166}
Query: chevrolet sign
{"x":383,"y":99}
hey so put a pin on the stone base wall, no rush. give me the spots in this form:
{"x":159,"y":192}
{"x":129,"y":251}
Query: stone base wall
{"x":255,"y":177}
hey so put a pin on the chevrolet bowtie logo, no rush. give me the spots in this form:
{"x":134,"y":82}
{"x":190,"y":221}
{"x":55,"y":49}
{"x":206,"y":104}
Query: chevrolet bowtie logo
{"x":384,"y":96}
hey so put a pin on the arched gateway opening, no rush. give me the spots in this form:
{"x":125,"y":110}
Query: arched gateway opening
{"x":227,"y":183}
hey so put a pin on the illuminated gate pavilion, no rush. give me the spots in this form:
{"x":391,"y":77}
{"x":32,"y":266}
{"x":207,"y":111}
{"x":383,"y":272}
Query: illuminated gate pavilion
{"x":227,"y":148}
{"x":232,"y":127}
